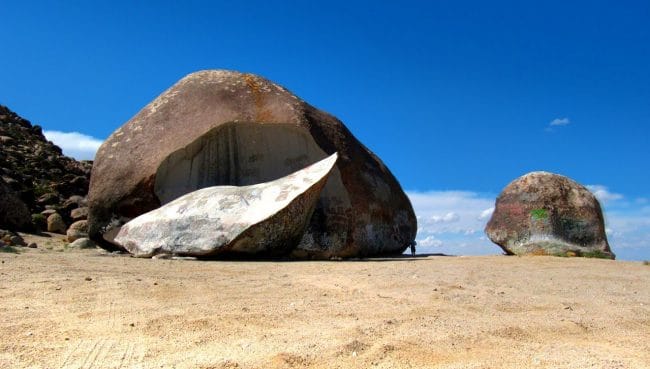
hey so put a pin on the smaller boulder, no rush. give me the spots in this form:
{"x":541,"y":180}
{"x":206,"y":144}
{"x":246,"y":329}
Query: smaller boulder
{"x":73,"y":202}
{"x":77,"y":230}
{"x":48,"y":212}
{"x":48,"y":199}
{"x":543,"y":213}
{"x":82,"y":243}
{"x":55,"y":224}
{"x":79,"y":214}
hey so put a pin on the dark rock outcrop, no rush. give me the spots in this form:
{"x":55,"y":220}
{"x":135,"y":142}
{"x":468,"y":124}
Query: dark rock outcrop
{"x":14,"y":214}
{"x":36,"y":171}
{"x":542,"y":213}
{"x":227,"y":128}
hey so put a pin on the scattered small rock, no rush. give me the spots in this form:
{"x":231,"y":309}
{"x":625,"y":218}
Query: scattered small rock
{"x":10,"y":238}
{"x":88,"y":279}
{"x":18,"y":241}
{"x":82,"y":243}
{"x":48,"y":212}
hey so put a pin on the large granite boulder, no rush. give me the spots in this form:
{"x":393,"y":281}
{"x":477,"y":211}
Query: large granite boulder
{"x":216,"y":128}
{"x":264,"y":219}
{"x":543,"y":213}
{"x":14,"y":214}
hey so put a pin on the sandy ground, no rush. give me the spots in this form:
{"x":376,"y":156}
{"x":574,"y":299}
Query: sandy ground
{"x":87,"y":309}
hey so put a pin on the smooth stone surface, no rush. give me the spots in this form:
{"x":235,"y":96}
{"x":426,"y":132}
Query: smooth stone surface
{"x":543,"y":213}
{"x":265,"y":219}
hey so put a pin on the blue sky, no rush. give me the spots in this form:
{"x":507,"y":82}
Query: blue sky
{"x":457,"y":98}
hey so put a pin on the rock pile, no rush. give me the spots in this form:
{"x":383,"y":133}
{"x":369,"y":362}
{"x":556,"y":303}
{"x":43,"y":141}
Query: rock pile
{"x":543,"y":213}
{"x":40,"y":188}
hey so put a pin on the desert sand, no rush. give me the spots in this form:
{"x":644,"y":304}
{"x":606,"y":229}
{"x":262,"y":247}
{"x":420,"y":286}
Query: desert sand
{"x":89,"y":309}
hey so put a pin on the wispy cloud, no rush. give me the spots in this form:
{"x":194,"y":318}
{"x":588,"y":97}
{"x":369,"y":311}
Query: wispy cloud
{"x":486,"y":214}
{"x":77,"y":145}
{"x":559,"y":122}
{"x":556,"y":123}
{"x":447,"y":218}
{"x":429,"y":242}
{"x":603,"y":194}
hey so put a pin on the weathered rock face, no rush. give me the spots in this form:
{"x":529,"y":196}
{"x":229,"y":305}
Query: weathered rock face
{"x":264,"y":219}
{"x":216,"y":128}
{"x":548,"y":214}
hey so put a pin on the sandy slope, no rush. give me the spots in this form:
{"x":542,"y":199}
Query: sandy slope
{"x":433,"y":312}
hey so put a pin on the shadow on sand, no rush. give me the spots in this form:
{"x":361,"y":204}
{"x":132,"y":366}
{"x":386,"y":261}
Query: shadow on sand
{"x":248,"y":258}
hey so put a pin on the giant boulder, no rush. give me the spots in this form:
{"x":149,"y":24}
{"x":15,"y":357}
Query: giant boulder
{"x":543,"y":213}
{"x":267,"y":219}
{"x":216,"y":128}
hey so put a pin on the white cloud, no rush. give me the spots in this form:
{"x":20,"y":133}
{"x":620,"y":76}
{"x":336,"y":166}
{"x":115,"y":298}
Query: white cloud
{"x":559,"y":122}
{"x":447,"y":218}
{"x":429,"y":241}
{"x":451,"y":221}
{"x":486,"y":214}
{"x":75,"y":144}
{"x":603,"y":194}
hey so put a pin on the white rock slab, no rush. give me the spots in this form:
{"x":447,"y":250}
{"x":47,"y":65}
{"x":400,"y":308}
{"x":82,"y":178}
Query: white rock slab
{"x":263,"y":219}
